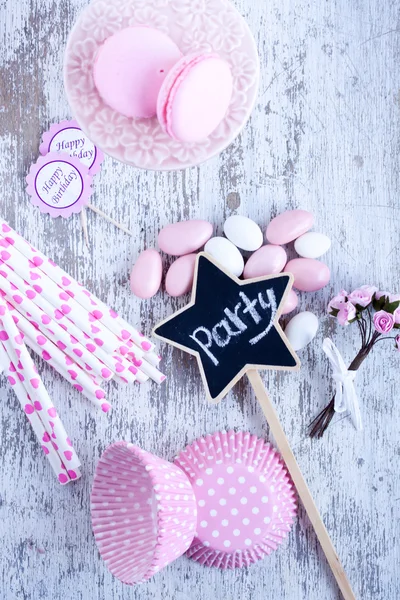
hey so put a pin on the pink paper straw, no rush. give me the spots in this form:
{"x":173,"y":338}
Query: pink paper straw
{"x":27,"y":373}
{"x":113,"y":361}
{"x":143,"y":365}
{"x":43,"y":437}
{"x":52,"y":330}
{"x":153,"y":358}
{"x":62,"y":363}
{"x":62,"y":302}
{"x":138,"y":358}
{"x":109,"y":317}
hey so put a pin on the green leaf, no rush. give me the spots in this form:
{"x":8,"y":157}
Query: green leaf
{"x":379,"y":304}
{"x":353,"y":320}
{"x":361,"y":308}
{"x":396,"y":326}
{"x":390,"y":307}
{"x":334,"y":312}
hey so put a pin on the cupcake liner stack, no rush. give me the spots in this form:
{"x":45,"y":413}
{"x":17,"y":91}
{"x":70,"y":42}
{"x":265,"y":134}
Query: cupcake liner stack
{"x":227,"y":501}
{"x":245,"y":497}
{"x":143,"y":512}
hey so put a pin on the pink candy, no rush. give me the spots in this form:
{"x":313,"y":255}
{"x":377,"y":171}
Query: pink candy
{"x":183,"y":239}
{"x":291,"y":302}
{"x":179,"y":278}
{"x":288,"y":226}
{"x":268,"y":260}
{"x":309,"y":275}
{"x":146,"y":274}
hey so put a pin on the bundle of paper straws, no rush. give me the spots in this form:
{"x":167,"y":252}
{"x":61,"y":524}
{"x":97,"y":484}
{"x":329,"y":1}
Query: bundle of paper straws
{"x":77,"y":334}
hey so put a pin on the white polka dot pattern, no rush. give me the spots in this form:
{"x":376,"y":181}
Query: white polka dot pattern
{"x":144,"y":512}
{"x":245,"y":498}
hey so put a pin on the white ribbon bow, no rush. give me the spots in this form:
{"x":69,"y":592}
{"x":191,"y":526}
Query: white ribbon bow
{"x":346,"y":398}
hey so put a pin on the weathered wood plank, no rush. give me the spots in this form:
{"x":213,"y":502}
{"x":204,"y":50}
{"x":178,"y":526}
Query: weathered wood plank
{"x":324,"y":136}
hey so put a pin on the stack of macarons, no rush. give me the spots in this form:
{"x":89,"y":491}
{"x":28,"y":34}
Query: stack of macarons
{"x":186,"y":238}
{"x":140,"y":72}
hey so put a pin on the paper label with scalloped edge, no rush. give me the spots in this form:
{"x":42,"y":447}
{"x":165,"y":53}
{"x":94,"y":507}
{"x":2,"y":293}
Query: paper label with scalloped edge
{"x":59,"y":185}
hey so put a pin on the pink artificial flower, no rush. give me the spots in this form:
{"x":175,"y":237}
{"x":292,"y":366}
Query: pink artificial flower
{"x":397,"y":342}
{"x":362,"y":296}
{"x":347,"y":312}
{"x":383,"y":321}
{"x":396,"y":315}
{"x":338,"y":300}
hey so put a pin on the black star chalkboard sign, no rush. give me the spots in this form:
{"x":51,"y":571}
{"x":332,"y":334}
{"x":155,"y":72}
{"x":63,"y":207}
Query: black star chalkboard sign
{"x":231,"y":326}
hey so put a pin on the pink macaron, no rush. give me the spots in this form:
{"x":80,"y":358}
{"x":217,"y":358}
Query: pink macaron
{"x":130,"y":68}
{"x":194,"y":97}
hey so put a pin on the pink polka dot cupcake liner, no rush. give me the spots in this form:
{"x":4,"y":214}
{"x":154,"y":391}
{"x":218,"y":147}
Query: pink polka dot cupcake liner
{"x":144,"y":512}
{"x":245,"y":499}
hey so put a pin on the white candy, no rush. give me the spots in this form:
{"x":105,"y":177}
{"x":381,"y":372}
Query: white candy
{"x":243,"y":232}
{"x":226,"y":254}
{"x":312,"y":245}
{"x":301,"y":330}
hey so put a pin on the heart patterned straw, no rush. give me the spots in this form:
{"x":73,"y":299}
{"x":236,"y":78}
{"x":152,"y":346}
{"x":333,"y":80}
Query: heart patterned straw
{"x":109,"y":317}
{"x":71,"y":330}
{"x":113,"y":361}
{"x":138,"y":358}
{"x":61,"y":362}
{"x":43,"y":437}
{"x":26,"y":372}
{"x":53,"y":331}
{"x":62,"y":302}
{"x":66,"y":305}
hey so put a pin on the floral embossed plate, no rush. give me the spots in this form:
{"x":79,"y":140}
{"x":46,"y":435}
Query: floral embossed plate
{"x":195,"y":25}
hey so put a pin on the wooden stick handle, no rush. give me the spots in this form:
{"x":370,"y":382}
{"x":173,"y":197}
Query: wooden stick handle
{"x":300,"y":484}
{"x":84,"y":224}
{"x":109,"y":219}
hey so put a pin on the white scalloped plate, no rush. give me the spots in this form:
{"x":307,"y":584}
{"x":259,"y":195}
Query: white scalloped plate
{"x":195,"y":25}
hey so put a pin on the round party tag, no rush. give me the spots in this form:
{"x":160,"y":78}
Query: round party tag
{"x":67,"y":137}
{"x":59,"y":185}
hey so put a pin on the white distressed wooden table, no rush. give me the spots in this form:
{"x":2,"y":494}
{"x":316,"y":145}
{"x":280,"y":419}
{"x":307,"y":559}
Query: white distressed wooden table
{"x":324,"y":136}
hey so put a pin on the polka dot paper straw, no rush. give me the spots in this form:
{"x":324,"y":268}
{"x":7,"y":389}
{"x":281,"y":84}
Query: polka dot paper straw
{"x":114,"y":362}
{"x":43,"y":437}
{"x":138,"y":359}
{"x":109,"y":317}
{"x":52,"y":330}
{"x":63,"y":303}
{"x":140,"y":378}
{"x":26,"y":371}
{"x":62,"y":363}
